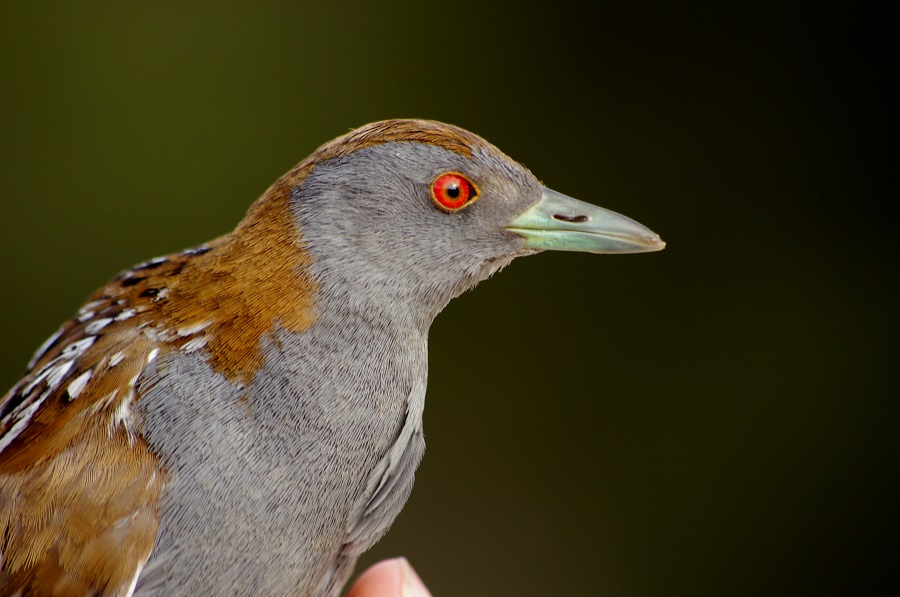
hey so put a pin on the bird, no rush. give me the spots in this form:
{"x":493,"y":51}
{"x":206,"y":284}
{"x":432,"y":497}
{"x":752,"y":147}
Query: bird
{"x":245,"y":416}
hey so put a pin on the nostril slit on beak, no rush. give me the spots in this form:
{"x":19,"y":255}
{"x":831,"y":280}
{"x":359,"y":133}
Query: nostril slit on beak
{"x":564,"y":218}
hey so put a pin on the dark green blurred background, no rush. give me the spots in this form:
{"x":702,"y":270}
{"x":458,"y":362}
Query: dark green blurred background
{"x":716,"y":419}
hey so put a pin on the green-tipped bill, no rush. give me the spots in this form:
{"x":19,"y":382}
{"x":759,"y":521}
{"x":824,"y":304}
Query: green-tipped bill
{"x":561,"y":223}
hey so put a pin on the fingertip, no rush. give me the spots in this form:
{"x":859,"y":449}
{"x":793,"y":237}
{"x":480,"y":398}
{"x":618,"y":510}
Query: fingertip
{"x":389,"y":578}
{"x":384,"y":579}
{"x":412,"y":584}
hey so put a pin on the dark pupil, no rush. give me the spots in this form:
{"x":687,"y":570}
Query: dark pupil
{"x":453,"y":191}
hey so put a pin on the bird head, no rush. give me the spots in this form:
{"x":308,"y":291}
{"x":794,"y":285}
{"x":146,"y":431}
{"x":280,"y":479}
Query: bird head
{"x":419,"y":211}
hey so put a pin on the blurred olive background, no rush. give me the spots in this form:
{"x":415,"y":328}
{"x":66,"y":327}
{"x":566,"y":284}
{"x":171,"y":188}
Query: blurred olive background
{"x":716,"y":419}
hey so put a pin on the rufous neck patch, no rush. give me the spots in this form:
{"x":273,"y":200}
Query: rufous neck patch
{"x":247,"y":283}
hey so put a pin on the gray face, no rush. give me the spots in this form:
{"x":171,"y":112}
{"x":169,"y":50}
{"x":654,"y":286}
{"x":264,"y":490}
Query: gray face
{"x":376,"y":224}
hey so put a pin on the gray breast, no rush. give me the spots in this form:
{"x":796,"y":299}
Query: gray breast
{"x":277,"y":487}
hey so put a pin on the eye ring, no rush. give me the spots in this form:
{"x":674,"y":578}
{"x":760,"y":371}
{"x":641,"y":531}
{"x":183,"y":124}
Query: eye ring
{"x":452,"y":191}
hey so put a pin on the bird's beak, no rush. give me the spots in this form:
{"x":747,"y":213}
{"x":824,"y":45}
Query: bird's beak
{"x":560,"y":223}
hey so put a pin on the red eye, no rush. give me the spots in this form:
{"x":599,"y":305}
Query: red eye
{"x":452,"y":191}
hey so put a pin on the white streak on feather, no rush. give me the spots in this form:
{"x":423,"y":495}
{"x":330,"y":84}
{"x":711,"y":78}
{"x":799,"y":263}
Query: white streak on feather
{"x":22,"y":422}
{"x":78,"y":384}
{"x":158,"y":334}
{"x":54,"y":371}
{"x":137,"y":573}
{"x":91,"y":306}
{"x":194,"y":344}
{"x":151,"y":262}
{"x":43,"y":347}
{"x":56,"y":375}
{"x":116,"y":358}
{"x":152,"y":356}
{"x":190,"y":330}
{"x":110,"y":398}
{"x":126,"y":314}
{"x":75,"y":349}
{"x":104,"y":402}
{"x":95,"y":326}
{"x":42,"y":375}
{"x":122,"y":415}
